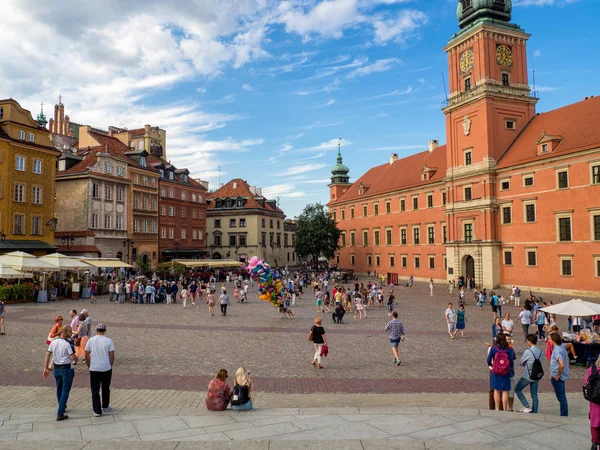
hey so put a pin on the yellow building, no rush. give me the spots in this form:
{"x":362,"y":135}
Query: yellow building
{"x":152,"y":139}
{"x":242,"y":223}
{"x":27,"y":170}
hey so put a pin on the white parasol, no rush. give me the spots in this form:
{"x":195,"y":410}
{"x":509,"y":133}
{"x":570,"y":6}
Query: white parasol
{"x":575,"y":307}
{"x":63,"y":262}
{"x":7,"y":272}
{"x":26,"y":262}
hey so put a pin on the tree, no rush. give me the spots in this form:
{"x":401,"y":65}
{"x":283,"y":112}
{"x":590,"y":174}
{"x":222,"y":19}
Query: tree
{"x":317,"y":233}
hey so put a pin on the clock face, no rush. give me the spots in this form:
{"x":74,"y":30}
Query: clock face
{"x":467,"y":61}
{"x":504,"y":55}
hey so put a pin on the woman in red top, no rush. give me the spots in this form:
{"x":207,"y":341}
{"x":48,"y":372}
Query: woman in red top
{"x":219,"y":393}
{"x":56,"y":329}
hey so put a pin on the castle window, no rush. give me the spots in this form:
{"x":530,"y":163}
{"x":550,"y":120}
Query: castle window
{"x":528,"y":181}
{"x":563,"y":179}
{"x":510,"y":124}
{"x":468,"y":194}
{"x":468,"y":158}
{"x":505,"y":185}
{"x":505,"y":79}
{"x":467,"y":84}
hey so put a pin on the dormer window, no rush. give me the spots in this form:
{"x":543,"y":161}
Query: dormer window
{"x":547,"y":143}
{"x":171,"y":175}
{"x":184,"y":178}
{"x":424,"y":176}
{"x":142,"y":161}
{"x":544,"y":148}
{"x":361,"y":191}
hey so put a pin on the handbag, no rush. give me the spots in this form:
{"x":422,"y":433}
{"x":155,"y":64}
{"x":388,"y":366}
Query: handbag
{"x":324,"y":350}
{"x":310,"y":335}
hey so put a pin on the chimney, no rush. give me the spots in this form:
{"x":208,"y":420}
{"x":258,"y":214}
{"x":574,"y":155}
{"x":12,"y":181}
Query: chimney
{"x":259,"y":191}
{"x":433,"y":144}
{"x":393,"y":157}
{"x":67,"y":125}
{"x":235,"y":184}
{"x":61,"y":118}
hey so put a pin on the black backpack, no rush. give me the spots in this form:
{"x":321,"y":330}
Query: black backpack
{"x":591,"y":389}
{"x":240,"y":395}
{"x":537,"y":371}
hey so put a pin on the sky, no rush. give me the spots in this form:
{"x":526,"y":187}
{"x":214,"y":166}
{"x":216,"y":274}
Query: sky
{"x":262,"y":90}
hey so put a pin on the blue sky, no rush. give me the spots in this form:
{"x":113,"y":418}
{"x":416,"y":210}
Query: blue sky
{"x":263,"y":89}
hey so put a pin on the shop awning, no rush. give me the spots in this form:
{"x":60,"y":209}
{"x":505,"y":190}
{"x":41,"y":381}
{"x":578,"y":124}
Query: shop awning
{"x":105,"y":262}
{"x":209,"y":262}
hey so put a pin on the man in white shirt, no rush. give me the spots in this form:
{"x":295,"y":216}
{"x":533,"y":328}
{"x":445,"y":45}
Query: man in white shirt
{"x":508,"y":324}
{"x":62,"y":353}
{"x":451,"y":319}
{"x":100,"y":357}
{"x":525,"y":317}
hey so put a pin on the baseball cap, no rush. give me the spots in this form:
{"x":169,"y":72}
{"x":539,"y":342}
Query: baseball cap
{"x":101,"y":327}
{"x":84,"y":311}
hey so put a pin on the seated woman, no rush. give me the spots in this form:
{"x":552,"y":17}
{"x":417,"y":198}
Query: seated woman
{"x":242,"y":387}
{"x":219,"y":393}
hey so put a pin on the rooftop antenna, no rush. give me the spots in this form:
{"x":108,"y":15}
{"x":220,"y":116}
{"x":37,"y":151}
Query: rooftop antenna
{"x":444,"y":83}
{"x":533,"y":63}
{"x":278,"y":199}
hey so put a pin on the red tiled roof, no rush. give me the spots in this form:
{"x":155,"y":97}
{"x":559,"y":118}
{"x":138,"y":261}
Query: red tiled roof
{"x":404,"y":173}
{"x":242,"y":190}
{"x":78,"y":248}
{"x":73,"y":233}
{"x":578,"y":124}
{"x":137,"y":132}
{"x":117,"y":148}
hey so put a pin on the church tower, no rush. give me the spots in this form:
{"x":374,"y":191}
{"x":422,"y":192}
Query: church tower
{"x":340,"y":181}
{"x":489,"y":104}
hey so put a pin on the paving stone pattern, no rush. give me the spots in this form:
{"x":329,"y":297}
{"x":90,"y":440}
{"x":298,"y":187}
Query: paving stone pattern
{"x":170,"y":348}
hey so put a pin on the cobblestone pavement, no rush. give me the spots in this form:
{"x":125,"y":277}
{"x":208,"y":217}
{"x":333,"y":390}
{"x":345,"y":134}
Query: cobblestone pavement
{"x":294,"y":428}
{"x":171,"y":348}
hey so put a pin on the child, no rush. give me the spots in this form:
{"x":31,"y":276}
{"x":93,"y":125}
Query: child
{"x":390,"y":304}
{"x":236,"y":293}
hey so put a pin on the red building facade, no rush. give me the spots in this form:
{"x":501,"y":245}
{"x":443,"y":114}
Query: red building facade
{"x":512,"y":198}
{"x":182,"y":213}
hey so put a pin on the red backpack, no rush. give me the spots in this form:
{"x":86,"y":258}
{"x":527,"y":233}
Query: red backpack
{"x":501,"y":364}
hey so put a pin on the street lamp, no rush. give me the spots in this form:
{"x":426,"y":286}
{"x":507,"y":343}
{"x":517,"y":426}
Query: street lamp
{"x":177,"y":247}
{"x":68,"y":240}
{"x":2,"y":236}
{"x":127,"y":243}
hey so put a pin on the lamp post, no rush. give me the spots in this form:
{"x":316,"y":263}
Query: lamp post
{"x":68,"y":241}
{"x":177,"y":247}
{"x":2,"y":236}
{"x":127,"y":243}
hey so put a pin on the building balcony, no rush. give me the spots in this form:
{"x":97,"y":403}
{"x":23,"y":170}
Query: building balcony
{"x":489,"y":87}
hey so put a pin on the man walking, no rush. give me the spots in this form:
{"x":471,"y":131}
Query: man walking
{"x":451,"y":320}
{"x":527,"y":360}
{"x":396,"y":329}
{"x":525,"y":317}
{"x":224,"y":301}
{"x":559,"y":371}
{"x":62,"y":353}
{"x":100,"y":358}
{"x":111,"y":291}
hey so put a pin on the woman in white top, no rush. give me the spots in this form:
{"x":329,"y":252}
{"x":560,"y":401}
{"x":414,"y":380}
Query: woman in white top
{"x":358,"y":307}
{"x":184,"y":295}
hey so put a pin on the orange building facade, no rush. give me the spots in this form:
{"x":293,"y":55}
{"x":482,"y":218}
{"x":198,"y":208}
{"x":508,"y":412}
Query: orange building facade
{"x":511,"y":199}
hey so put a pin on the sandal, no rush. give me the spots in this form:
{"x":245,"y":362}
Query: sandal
{"x":314,"y":363}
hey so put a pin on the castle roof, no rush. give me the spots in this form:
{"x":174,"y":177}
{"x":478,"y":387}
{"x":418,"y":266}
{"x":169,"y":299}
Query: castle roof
{"x":401,"y":174}
{"x":576,"y":127}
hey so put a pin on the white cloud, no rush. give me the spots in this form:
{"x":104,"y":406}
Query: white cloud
{"x":328,"y":18}
{"x":302,"y":168}
{"x":247,"y":87}
{"x":202,"y":90}
{"x":537,"y":53}
{"x":382,"y":65}
{"x":319,"y":124}
{"x":317,"y":156}
{"x":421,"y":80}
{"x":282,"y":190}
{"x":327,"y":145}
{"x":393,"y":148}
{"x":328,"y":103}
{"x":397,"y":29}
{"x":546,"y":88}
{"x":394,"y":93}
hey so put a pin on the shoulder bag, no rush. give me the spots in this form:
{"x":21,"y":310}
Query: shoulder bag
{"x":310,"y":335}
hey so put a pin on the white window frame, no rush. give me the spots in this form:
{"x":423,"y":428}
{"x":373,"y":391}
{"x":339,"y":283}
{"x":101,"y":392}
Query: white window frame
{"x":22,"y":222}
{"x":505,"y":180}
{"x":95,"y":220}
{"x":563,"y":215}
{"x":119,"y":223}
{"x":597,"y":266}
{"x":107,"y":167}
{"x":31,"y":137}
{"x":108,"y":221}
{"x":560,"y":265}
{"x":512,"y":256}
{"x":592,"y":165}
{"x":365,"y":242}
{"x":465,"y":187}
{"x":415,"y":259}
{"x":529,"y":250}
{"x":120,"y":171}
{"x":525,"y":204}
{"x":431,"y":227}
{"x":506,"y":205}
{"x":37,"y":166}
{"x":37,"y":195}
{"x":36,"y":225}
{"x":465,"y":152}
{"x":462,"y":226}
{"x":593,"y":213}
{"x":559,"y":171}
{"x":22,"y":135}
{"x":525,"y":177}
{"x":352,"y":259}
{"x":23,"y":166}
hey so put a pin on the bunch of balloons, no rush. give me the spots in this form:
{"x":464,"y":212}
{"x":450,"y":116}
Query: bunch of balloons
{"x":270,"y":285}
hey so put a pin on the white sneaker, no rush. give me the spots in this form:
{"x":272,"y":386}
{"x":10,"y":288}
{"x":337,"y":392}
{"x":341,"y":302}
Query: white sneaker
{"x":107,"y":409}
{"x":526,"y":410}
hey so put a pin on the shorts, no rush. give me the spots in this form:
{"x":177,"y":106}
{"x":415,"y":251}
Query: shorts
{"x":92,"y":292}
{"x":319,"y":302}
{"x":395,"y":342}
{"x":494,"y":308}
{"x":451,"y":327}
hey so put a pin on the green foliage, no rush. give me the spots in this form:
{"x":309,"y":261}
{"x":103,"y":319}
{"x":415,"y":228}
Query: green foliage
{"x":16,"y":292}
{"x":317,"y":234}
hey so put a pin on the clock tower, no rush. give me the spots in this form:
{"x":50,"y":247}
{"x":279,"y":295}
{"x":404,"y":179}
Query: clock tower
{"x":489,"y":104}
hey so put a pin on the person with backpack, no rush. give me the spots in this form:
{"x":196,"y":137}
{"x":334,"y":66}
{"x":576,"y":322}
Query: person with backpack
{"x":591,"y":392}
{"x":531,"y":360}
{"x":242,"y":387}
{"x":501,"y":358}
